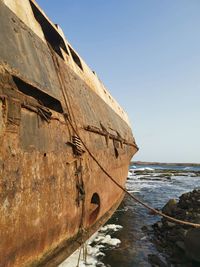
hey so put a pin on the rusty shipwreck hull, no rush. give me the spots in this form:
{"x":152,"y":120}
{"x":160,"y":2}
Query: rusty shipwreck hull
{"x":53,"y":196}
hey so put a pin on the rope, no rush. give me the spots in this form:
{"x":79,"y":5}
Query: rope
{"x":71,"y":116}
{"x":100,"y":166}
{"x":172,"y":219}
{"x":79,"y":257}
{"x":85,"y":253}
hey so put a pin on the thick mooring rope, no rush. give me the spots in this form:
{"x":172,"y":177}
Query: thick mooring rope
{"x":172,"y":219}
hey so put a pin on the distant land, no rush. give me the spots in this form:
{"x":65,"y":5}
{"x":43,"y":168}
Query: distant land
{"x":164,"y":163}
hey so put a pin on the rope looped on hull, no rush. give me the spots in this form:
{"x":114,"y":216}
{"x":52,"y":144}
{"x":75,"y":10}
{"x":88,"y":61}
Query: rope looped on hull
{"x":157,"y":212}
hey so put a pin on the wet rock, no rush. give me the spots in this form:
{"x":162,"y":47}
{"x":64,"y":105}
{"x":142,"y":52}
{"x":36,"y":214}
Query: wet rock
{"x":155,"y":260}
{"x":192,"y":244}
{"x":170,"y":207}
{"x":100,"y":264}
{"x":170,"y":224}
{"x":146,"y":228}
{"x":159,"y":225}
{"x":180,"y":243}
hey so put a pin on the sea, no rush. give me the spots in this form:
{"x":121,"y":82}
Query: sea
{"x":124,"y":240}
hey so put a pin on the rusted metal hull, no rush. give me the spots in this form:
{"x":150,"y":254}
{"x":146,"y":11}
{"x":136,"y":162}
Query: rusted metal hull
{"x":53,"y":196}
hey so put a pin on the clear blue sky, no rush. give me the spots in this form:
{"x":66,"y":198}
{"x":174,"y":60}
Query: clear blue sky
{"x":147,"y":53}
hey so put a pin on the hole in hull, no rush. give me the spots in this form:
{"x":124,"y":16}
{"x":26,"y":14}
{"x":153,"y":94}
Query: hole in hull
{"x":46,"y":100}
{"x":94,"y":208}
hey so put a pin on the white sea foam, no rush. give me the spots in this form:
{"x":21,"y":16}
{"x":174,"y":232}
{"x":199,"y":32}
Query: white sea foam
{"x":108,"y":240}
{"x":187,"y":168}
{"x":130,"y":174}
{"x":135,"y":185}
{"x":94,"y":247}
{"x":109,"y":227}
{"x":144,"y":169}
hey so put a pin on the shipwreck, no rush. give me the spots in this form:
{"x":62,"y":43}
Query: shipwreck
{"x":56,"y":117}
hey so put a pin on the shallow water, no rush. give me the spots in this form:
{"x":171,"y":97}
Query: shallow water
{"x":129,"y":245}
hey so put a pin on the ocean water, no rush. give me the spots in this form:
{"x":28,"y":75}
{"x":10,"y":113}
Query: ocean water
{"x":122,"y":242}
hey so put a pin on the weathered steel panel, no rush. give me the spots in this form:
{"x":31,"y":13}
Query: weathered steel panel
{"x":49,"y":185}
{"x":28,"y":54}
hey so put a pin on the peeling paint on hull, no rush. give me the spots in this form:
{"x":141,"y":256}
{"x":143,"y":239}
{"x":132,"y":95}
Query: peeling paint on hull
{"x":53,"y":196}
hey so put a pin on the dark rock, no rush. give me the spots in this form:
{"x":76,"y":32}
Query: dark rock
{"x":146,"y":228}
{"x":170,"y":207}
{"x":192,"y":244}
{"x":173,"y":237}
{"x":158,"y":225}
{"x":99,"y":264}
{"x":170,"y":224}
{"x":180,"y":244}
{"x":155,"y":260}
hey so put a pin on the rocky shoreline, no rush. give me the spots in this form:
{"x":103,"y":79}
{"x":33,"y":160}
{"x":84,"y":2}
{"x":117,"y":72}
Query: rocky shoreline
{"x":146,"y":163}
{"x":179,"y":245}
